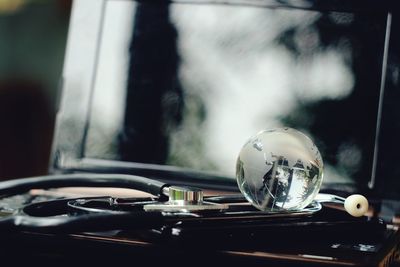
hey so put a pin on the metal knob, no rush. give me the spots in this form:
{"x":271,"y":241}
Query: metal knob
{"x":185,"y":195}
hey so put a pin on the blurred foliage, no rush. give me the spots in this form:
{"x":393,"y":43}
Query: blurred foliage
{"x":11,"y":6}
{"x":33,"y":37}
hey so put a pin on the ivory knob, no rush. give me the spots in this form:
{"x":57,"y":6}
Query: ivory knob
{"x":356,"y":205}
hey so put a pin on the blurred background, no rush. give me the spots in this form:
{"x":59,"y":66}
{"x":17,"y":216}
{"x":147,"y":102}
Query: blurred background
{"x":318,"y":72}
{"x":32,"y":44}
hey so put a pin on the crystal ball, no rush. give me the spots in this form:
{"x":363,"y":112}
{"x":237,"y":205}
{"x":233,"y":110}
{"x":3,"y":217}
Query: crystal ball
{"x":279,"y":170}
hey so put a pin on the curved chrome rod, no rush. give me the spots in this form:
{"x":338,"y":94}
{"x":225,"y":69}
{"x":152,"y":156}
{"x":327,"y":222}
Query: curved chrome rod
{"x":323,"y":198}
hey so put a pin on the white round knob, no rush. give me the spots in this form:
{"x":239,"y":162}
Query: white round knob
{"x":356,"y":205}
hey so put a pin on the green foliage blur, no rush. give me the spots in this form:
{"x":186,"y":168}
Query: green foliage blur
{"x":32,"y":46}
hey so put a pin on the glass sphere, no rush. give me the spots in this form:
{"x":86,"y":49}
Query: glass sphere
{"x":279,"y":170}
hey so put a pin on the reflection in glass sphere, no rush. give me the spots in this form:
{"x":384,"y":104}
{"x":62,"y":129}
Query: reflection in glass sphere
{"x":279,"y":169}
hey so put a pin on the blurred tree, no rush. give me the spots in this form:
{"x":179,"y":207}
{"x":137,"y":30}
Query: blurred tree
{"x":33,"y":37}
